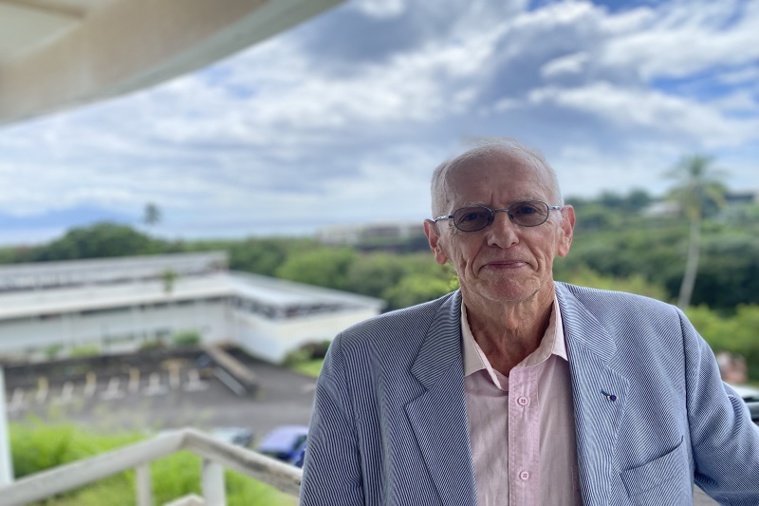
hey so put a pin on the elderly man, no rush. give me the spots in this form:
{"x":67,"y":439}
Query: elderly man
{"x":519,"y":390}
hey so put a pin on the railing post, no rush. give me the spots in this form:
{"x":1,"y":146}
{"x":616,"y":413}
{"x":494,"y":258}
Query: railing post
{"x":6,"y":461}
{"x":213,"y":483}
{"x":144,"y":485}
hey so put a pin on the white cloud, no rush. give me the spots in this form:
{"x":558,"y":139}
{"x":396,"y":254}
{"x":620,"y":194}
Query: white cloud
{"x":380,"y":8}
{"x":741,"y":102}
{"x":688,"y":37}
{"x":584,"y":170}
{"x":570,"y":64}
{"x":652,"y":110}
{"x":293,"y":123}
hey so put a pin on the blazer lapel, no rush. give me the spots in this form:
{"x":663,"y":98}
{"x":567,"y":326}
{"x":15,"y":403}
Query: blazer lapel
{"x":438,"y":416}
{"x":599,"y":396}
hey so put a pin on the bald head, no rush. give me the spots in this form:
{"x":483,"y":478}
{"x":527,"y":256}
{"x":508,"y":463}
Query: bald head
{"x":507,"y":149}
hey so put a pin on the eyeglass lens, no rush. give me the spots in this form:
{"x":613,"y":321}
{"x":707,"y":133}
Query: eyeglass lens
{"x":525,"y":214}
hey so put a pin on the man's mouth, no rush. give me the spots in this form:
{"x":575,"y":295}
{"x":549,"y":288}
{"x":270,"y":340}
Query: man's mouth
{"x":505,"y":264}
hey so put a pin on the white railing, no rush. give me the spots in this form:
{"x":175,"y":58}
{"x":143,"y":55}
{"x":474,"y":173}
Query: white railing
{"x":216,"y":456}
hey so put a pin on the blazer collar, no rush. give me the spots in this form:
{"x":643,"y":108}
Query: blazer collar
{"x":441,"y":348}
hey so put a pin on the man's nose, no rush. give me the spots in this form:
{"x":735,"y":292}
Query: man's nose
{"x":503,"y":232}
{"x":504,"y":212}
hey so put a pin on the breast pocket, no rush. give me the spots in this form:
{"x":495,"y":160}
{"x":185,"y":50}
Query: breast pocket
{"x":664,"y":480}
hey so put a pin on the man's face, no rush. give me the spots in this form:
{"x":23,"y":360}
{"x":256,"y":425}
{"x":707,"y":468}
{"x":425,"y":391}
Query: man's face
{"x":503,"y":262}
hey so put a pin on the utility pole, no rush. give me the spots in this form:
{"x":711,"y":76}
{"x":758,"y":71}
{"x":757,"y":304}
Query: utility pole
{"x":6,"y":464}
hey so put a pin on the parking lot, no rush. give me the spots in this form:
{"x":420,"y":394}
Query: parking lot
{"x":134,"y":394}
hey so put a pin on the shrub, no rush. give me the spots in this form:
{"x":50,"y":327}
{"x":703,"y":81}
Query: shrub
{"x":36,"y":446}
{"x":90,"y":350}
{"x":186,"y":338}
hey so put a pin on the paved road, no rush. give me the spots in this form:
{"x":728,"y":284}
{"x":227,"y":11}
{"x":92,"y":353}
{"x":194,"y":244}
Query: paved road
{"x":166,"y":398}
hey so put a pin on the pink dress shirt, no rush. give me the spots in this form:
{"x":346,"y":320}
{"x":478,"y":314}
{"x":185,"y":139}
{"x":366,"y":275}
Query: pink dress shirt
{"x":521,"y":426}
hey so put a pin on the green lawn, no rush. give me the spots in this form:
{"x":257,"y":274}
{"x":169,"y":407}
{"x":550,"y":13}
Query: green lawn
{"x":309,"y":367}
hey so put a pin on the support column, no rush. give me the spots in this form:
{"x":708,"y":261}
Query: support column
{"x":213,"y":483}
{"x":6,"y":463}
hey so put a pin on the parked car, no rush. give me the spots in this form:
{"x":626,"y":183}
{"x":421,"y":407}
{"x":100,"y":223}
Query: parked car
{"x":240,"y":436}
{"x":300,"y":456}
{"x":285,"y":443}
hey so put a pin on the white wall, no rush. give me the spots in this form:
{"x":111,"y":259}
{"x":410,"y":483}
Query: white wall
{"x":115,"y":328}
{"x":272,"y":340}
{"x":123,"y":329}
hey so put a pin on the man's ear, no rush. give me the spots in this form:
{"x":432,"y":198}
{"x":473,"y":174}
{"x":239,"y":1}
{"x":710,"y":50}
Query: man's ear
{"x":433,"y":237}
{"x":567,"y":228}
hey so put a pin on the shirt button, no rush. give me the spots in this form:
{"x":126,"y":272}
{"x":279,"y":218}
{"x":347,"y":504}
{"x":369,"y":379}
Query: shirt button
{"x":523,"y":401}
{"x":524,"y":476}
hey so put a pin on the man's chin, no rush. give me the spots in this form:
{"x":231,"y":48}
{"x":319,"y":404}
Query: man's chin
{"x":512,"y":292}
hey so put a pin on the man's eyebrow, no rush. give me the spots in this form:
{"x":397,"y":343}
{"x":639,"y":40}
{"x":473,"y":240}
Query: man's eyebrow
{"x":472,"y":203}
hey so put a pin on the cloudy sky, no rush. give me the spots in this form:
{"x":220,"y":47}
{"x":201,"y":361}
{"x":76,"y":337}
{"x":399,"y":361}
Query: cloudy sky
{"x":342,"y":119}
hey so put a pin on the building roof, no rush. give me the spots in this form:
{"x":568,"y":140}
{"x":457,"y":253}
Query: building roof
{"x":287,"y":294}
{"x":106,"y":270}
{"x":90,"y":285}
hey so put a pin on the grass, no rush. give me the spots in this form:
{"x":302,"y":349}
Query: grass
{"x":309,"y":367}
{"x":37,"y":446}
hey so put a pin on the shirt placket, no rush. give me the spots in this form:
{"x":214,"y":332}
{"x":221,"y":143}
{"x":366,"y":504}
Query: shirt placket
{"x":524,"y":436}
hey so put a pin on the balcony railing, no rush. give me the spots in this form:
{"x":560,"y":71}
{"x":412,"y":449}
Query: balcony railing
{"x":216,"y":456}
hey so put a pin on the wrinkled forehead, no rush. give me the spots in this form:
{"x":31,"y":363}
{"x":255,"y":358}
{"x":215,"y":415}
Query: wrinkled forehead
{"x":496,"y":171}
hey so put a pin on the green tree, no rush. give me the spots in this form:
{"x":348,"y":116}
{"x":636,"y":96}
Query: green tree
{"x":636,"y":283}
{"x":698,"y":187}
{"x":265,"y":255}
{"x":372,"y":274}
{"x":152,"y":214}
{"x":415,"y":289}
{"x":97,"y":241}
{"x":169,"y":279}
{"x":327,"y":267}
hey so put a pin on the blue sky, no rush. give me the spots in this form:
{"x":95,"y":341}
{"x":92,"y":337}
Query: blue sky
{"x":342,"y":119}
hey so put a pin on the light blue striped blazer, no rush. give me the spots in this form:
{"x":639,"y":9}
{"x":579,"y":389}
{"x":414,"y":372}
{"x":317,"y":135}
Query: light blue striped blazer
{"x":389,"y":425}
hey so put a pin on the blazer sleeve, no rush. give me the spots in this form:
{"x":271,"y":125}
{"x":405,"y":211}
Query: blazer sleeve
{"x":332,"y":470}
{"x":725,"y":442}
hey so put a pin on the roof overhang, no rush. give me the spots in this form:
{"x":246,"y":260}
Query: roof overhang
{"x":57,"y":54}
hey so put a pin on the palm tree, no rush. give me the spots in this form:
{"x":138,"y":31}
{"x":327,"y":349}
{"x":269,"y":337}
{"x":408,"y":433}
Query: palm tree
{"x":699,"y":187}
{"x":152,"y":214}
{"x":169,"y":279}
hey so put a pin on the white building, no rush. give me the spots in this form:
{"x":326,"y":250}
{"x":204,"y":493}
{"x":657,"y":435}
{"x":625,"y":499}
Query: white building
{"x":122,"y":303}
{"x":356,"y":234}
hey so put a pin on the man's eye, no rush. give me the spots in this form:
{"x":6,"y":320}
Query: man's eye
{"x":473,"y":215}
{"x":526,"y":209}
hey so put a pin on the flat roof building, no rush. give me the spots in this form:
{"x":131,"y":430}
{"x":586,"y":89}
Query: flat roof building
{"x":124,"y":303}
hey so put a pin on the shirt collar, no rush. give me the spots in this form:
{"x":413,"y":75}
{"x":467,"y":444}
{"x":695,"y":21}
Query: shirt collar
{"x":553,"y":343}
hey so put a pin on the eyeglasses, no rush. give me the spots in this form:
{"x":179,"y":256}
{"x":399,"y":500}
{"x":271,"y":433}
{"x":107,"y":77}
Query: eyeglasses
{"x":525,"y":213}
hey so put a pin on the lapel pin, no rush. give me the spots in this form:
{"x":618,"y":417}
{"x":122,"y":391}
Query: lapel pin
{"x":609,"y":397}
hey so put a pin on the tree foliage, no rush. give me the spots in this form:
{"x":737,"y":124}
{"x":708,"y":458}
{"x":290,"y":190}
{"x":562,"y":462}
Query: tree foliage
{"x":735,"y":334}
{"x":326,"y":267}
{"x":97,"y":241}
{"x":151,"y":215}
{"x":264,"y":255}
{"x":699,"y":189}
